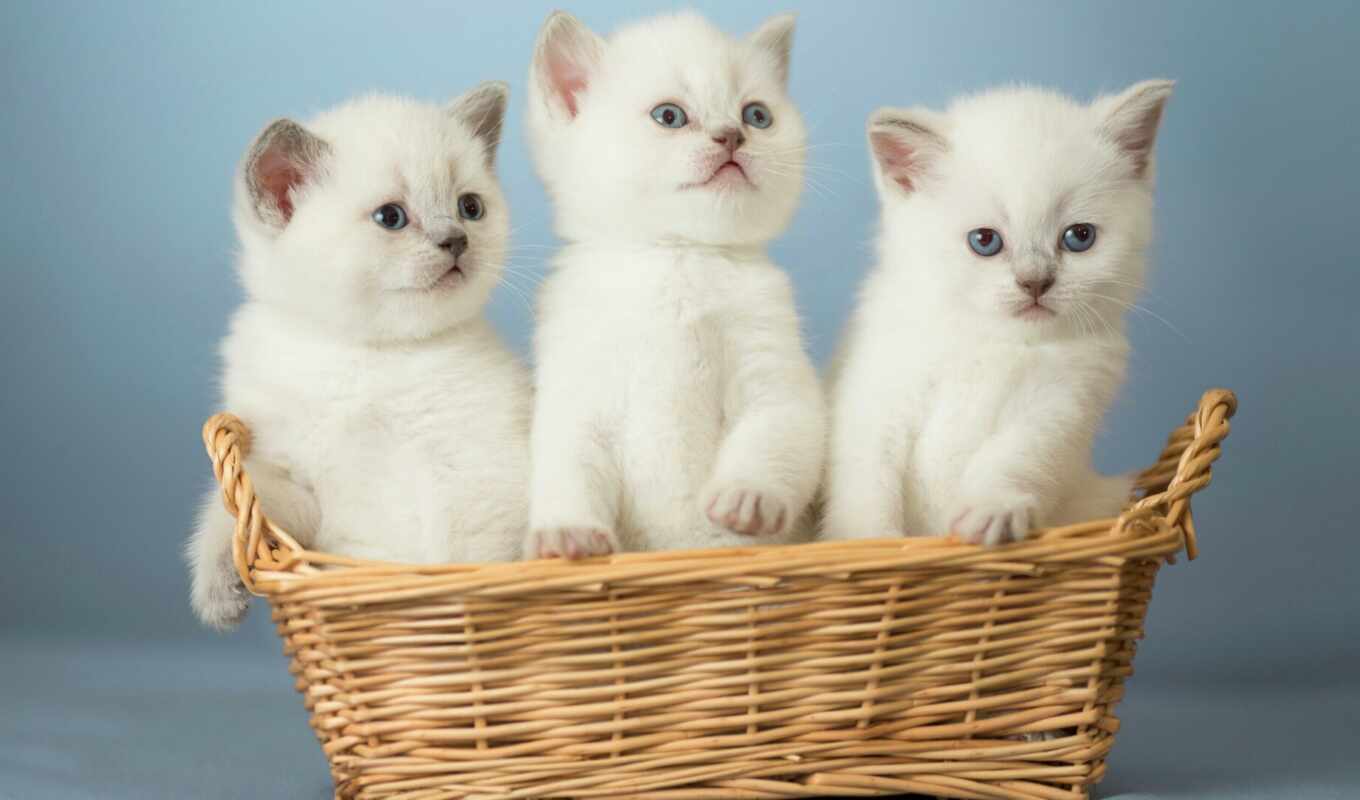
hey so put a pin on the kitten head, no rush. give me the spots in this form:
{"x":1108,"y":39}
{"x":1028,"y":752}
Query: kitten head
{"x":380,"y":220}
{"x":667,"y":130}
{"x":1022,"y":206}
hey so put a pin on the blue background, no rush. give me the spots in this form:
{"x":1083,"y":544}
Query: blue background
{"x":123,"y":124}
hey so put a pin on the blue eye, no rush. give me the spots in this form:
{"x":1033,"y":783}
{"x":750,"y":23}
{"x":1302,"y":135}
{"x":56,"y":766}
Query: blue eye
{"x":757,"y":115}
{"x":1079,"y":238}
{"x":669,"y":115}
{"x":470,"y":207}
{"x":391,"y":216}
{"x":984,"y":241}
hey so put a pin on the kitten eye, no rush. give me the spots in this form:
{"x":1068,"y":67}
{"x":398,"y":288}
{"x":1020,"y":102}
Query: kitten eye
{"x":1079,"y":237}
{"x":391,"y":216}
{"x":984,"y":241}
{"x":757,"y":115}
{"x":669,"y":115}
{"x":470,"y":207}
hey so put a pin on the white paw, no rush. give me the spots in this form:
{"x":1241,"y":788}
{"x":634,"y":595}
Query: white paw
{"x":570,"y":542}
{"x":747,"y":510}
{"x":219,"y":599}
{"x":1000,"y":519}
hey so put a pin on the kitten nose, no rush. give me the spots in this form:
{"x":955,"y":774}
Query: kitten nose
{"x":456,"y":243}
{"x":731,"y":138}
{"x":1036,"y":287}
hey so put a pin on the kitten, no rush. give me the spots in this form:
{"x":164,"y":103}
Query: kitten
{"x":675,"y":405}
{"x":989,"y":341}
{"x":389,"y":420}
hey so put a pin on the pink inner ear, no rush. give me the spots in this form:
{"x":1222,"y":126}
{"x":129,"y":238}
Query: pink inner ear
{"x":1138,"y":139}
{"x":896,"y":157}
{"x":277,"y":175}
{"x":567,"y":79}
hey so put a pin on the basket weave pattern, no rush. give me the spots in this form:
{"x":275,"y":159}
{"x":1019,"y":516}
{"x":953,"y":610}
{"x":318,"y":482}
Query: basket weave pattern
{"x":848,"y":668}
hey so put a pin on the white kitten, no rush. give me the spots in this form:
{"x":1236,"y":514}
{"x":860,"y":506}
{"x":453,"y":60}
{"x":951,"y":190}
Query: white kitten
{"x":989,"y":341}
{"x":675,"y":407}
{"x":389,"y":420}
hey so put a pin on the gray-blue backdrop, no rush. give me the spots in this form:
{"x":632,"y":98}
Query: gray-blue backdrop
{"x":123,"y":122}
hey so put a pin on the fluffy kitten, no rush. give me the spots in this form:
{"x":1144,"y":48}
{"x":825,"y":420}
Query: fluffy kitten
{"x":989,"y":341}
{"x":675,"y":405}
{"x":389,"y":420}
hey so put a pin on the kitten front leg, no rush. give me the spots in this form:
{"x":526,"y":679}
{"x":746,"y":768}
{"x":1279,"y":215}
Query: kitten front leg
{"x":866,"y":470}
{"x":218,"y":597}
{"x":1013,"y":483}
{"x":771,"y":459}
{"x":767,"y":470}
{"x":574,"y":498}
{"x":1002,"y":493}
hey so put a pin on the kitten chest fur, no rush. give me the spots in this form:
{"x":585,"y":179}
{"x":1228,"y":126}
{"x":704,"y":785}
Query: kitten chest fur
{"x":368,"y":430}
{"x":949,"y":400}
{"x":658,"y":393}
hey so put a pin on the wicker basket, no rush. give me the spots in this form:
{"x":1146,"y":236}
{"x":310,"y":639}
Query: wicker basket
{"x":850,"y":669}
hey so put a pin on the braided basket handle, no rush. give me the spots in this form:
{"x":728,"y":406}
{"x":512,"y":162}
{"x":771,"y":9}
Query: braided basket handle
{"x":1192,"y":449}
{"x":256,"y":540}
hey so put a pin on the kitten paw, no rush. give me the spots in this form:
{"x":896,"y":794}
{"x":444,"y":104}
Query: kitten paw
{"x":997,"y":521}
{"x":747,"y":510}
{"x":571,"y":543}
{"x":220,"y":600}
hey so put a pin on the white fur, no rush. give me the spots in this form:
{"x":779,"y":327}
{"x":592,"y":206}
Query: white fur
{"x":389,"y":420}
{"x":675,"y":405}
{"x":951,"y":412}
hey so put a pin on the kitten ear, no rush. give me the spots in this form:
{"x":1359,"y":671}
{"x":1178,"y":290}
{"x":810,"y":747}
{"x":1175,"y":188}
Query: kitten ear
{"x":1131,"y":118}
{"x":905,"y":142}
{"x":775,"y":35}
{"x":565,"y":59}
{"x":482,"y":109}
{"x":283,"y":159}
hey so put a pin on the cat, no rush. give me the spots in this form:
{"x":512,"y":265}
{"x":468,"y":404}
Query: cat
{"x":989,"y":341}
{"x":389,"y":421}
{"x":675,"y":406}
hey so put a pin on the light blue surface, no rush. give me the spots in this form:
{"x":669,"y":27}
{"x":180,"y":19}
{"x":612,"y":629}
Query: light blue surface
{"x":123,"y":123}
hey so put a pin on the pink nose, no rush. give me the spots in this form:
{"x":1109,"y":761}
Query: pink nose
{"x":731,"y":138}
{"x":1036,"y":287}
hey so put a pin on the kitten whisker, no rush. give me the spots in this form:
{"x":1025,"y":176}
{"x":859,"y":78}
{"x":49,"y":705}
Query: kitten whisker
{"x":1143,"y":309}
{"x":519,"y":293}
{"x":1097,"y":317}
